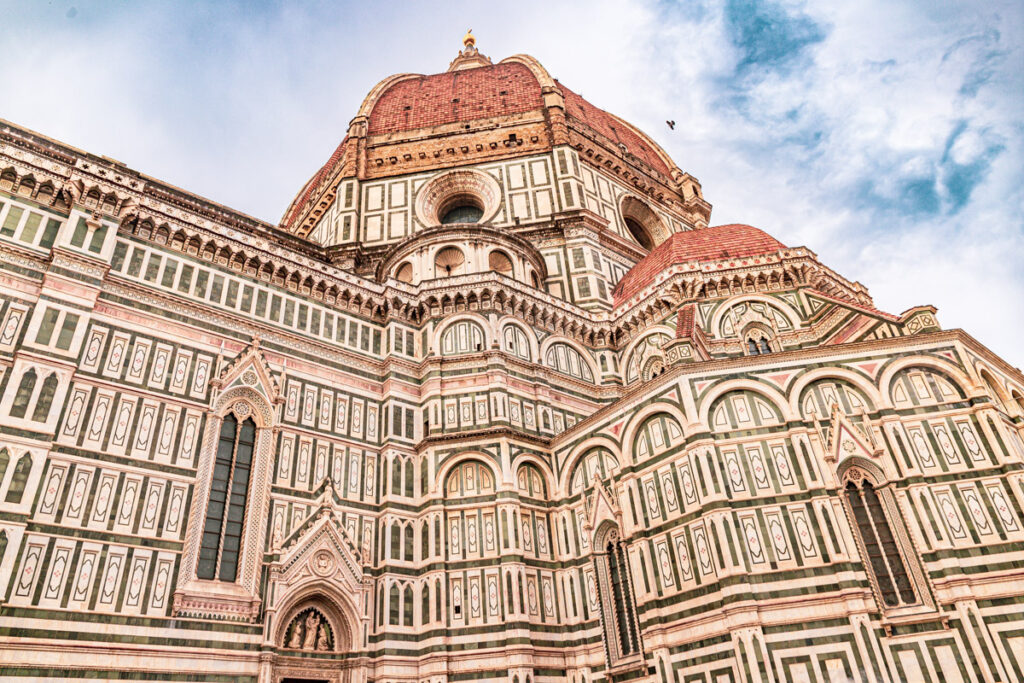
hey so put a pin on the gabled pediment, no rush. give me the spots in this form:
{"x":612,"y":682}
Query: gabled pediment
{"x":846,"y":439}
{"x":602,"y":506}
{"x":249,"y":369}
{"x":320,"y":547}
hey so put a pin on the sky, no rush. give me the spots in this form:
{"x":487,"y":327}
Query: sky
{"x":887,"y":136}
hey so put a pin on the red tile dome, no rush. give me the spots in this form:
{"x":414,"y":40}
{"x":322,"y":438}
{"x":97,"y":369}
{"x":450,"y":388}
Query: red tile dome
{"x":455,"y":96}
{"x":735,"y":240}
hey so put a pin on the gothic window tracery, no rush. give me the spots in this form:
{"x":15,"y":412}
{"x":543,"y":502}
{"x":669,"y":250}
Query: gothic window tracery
{"x":618,"y":605}
{"x":229,"y":489}
{"x":19,"y":479}
{"x":756,"y":341}
{"x":887,"y":554}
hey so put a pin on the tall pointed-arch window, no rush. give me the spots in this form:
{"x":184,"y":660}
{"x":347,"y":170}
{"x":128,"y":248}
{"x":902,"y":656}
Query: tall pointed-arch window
{"x":883,"y":553}
{"x":45,"y":400}
{"x":24,"y":394}
{"x":19,"y":480}
{"x":229,"y":490}
{"x":618,"y":607}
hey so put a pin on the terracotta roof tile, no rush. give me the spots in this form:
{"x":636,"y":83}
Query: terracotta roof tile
{"x":709,"y":244}
{"x":307,"y":189}
{"x":612,"y":128}
{"x":450,"y":97}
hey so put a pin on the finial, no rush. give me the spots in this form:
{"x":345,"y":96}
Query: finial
{"x":468,"y":40}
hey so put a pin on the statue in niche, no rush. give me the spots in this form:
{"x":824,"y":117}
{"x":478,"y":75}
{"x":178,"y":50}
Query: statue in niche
{"x":295,"y":642}
{"x":322,"y":643}
{"x":312,"y":624}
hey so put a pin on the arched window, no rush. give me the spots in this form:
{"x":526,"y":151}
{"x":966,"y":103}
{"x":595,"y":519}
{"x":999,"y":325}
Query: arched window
{"x":567,"y":360}
{"x":5,"y":458}
{"x":616,"y":594}
{"x":396,"y":476}
{"x":424,"y":540}
{"x":404,"y":273}
{"x":499,"y":262}
{"x":469,"y":479}
{"x":463,"y":210}
{"x":596,"y":462}
{"x":515,"y":342}
{"x":756,"y":340}
{"x":408,"y":605}
{"x":24,"y":394}
{"x":639,"y":233}
{"x":424,"y":603}
{"x":225,"y":511}
{"x":19,"y":480}
{"x":409,"y":478}
{"x":1018,"y":398}
{"x":449,"y":261}
{"x":642,"y":223}
{"x":394,"y":604}
{"x":396,"y":541}
{"x":45,"y":400}
{"x":639,"y":363}
{"x":408,"y":544}
{"x":462,"y":337}
{"x":883,"y":557}
{"x":530,"y":482}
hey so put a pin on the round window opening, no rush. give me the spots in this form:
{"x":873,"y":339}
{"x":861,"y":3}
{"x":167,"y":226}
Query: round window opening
{"x":640,"y":234}
{"x":462,"y":211}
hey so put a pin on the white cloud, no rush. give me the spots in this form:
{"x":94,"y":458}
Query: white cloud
{"x":840,"y":146}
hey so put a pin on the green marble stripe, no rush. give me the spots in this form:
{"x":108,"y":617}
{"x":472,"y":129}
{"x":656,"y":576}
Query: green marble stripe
{"x":76,"y":616}
{"x":74,"y":275}
{"x":61,"y":673}
{"x":126,"y":461}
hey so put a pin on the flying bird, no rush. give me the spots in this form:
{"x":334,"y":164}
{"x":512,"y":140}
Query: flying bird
{"x":671,"y":124}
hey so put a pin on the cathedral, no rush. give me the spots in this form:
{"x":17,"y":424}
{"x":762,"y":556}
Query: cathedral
{"x":493,"y":401}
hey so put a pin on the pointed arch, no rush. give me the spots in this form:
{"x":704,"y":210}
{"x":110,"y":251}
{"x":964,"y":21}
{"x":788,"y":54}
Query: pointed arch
{"x":19,"y":479}
{"x":24,"y":393}
{"x":45,"y":400}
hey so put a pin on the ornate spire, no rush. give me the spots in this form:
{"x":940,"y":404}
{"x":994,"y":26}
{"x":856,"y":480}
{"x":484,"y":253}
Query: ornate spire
{"x":469,"y":57}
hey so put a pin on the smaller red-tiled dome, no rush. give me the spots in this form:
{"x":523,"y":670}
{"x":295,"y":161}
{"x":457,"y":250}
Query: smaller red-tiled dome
{"x":710,"y":244}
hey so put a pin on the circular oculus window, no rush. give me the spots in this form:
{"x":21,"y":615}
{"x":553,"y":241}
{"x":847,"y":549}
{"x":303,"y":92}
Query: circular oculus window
{"x":460,"y":196}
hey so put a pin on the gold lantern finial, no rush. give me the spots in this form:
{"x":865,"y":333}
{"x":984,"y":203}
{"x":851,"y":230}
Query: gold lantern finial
{"x":469,"y":40}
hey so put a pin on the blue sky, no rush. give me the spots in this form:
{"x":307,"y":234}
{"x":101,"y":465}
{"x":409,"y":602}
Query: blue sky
{"x":886,"y":136}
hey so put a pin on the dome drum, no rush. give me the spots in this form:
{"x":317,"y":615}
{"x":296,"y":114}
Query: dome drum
{"x":460,"y":249}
